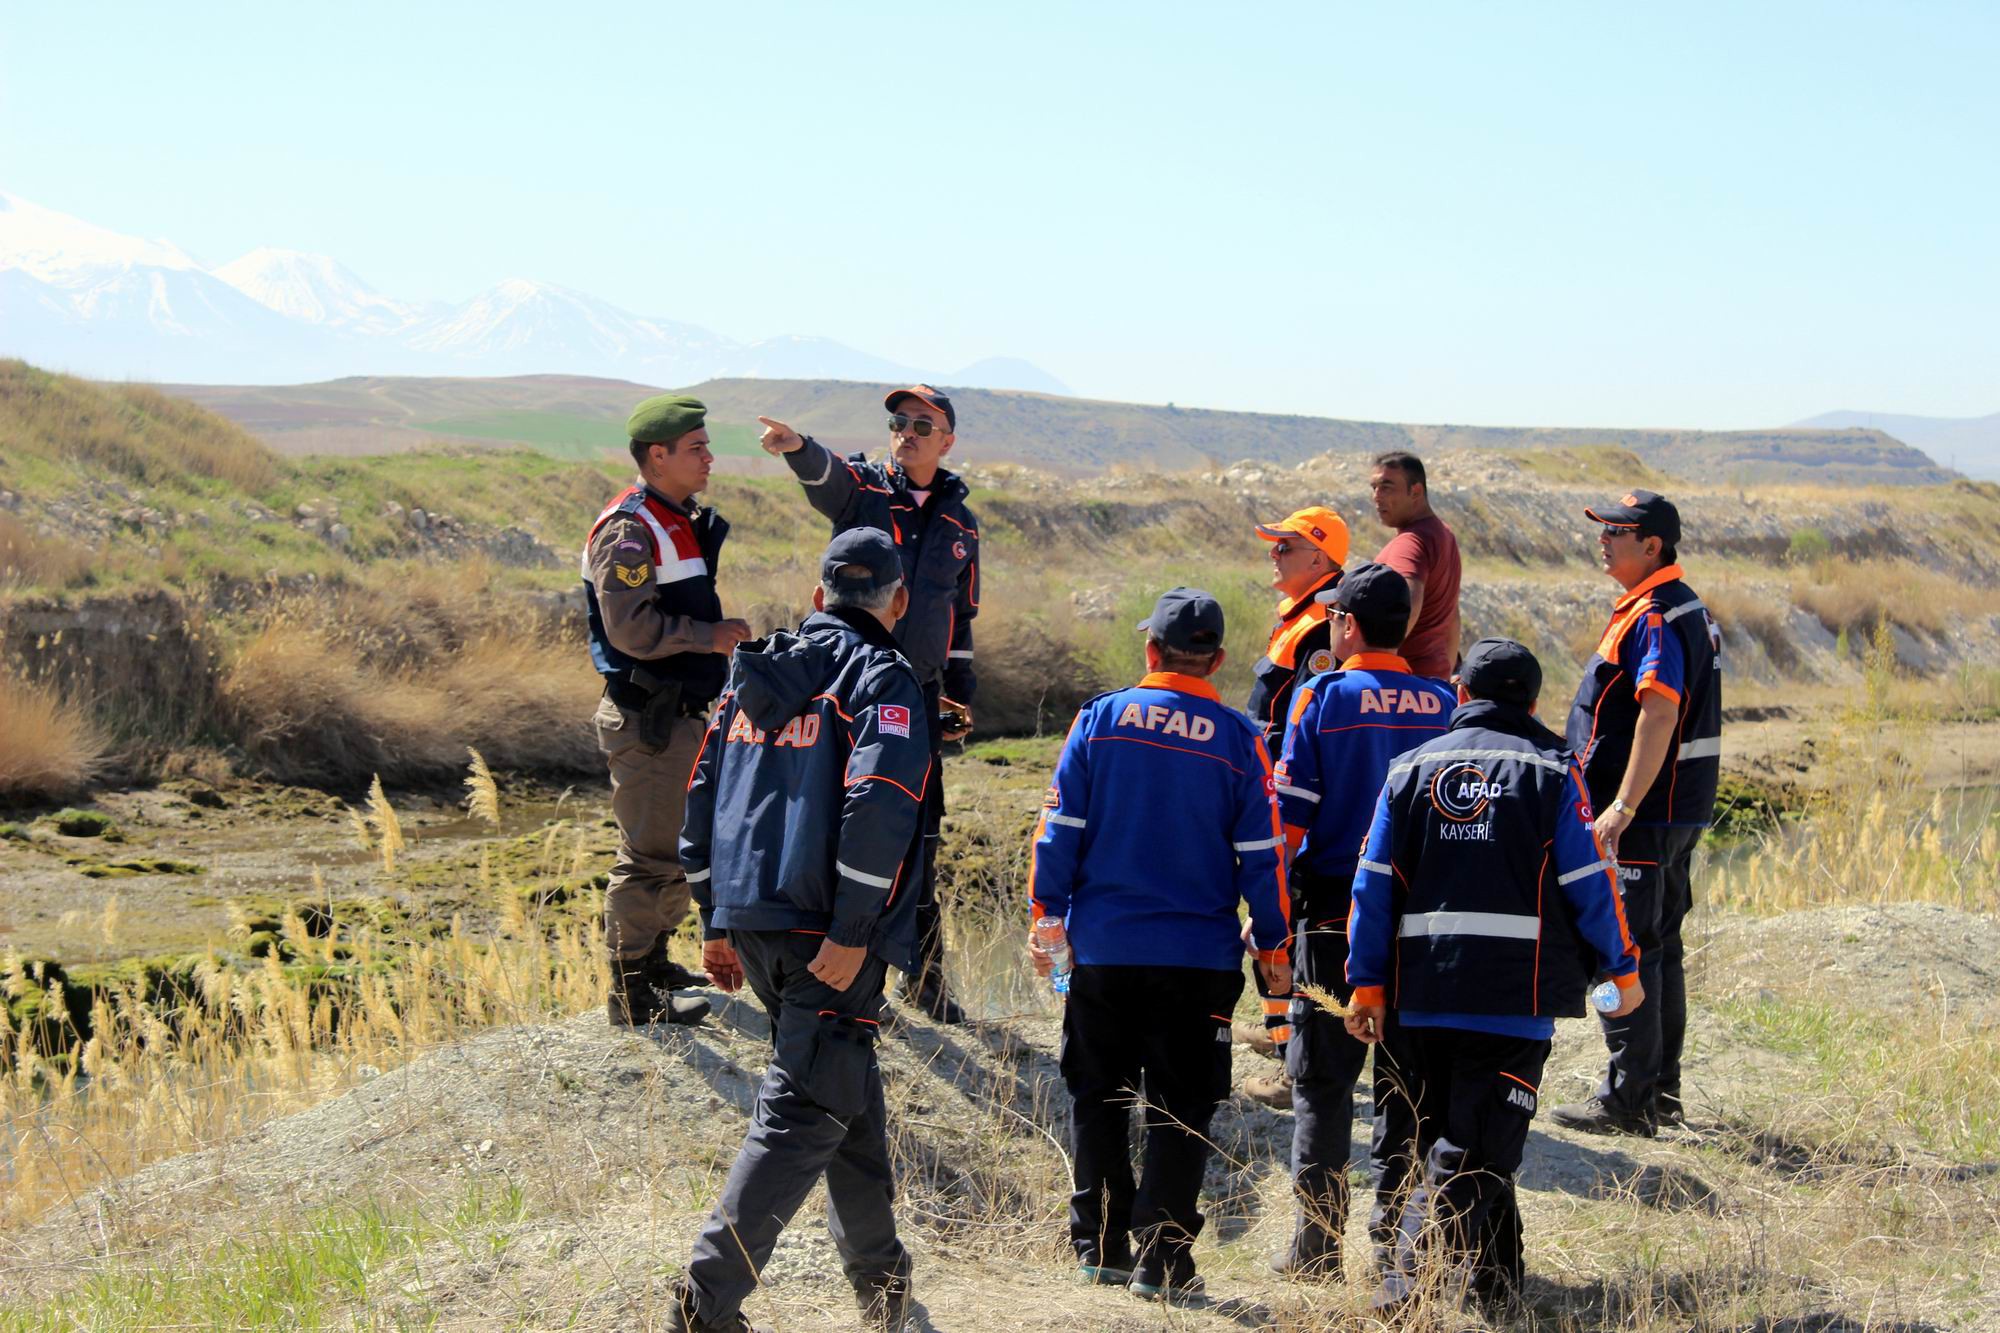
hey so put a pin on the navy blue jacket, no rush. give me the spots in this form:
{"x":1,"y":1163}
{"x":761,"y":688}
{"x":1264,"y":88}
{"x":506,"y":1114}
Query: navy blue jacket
{"x":1660,"y":639}
{"x":1482,"y":889}
{"x":1159,"y":820}
{"x":1346,"y":727}
{"x":803,"y":807}
{"x":939,"y":543}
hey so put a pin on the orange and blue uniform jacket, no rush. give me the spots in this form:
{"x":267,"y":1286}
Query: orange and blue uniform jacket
{"x":1662,"y":640}
{"x":1346,"y":726}
{"x":803,"y":807}
{"x":1159,"y":820}
{"x":1483,"y":900}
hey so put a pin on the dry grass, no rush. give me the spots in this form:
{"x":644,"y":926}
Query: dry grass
{"x":48,"y":749}
{"x":1853,"y":596}
{"x":127,"y":430}
{"x":310,"y":707}
{"x":29,"y":560}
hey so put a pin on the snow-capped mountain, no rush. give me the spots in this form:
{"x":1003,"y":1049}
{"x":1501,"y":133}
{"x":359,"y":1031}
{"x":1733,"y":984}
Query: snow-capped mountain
{"x":78,"y":297}
{"x":315,"y":290}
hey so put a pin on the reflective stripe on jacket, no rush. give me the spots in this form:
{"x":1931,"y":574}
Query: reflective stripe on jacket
{"x":1482,"y":889}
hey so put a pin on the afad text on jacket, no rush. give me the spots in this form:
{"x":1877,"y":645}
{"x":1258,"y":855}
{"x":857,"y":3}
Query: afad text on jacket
{"x":1482,"y":889}
{"x":803,"y":807}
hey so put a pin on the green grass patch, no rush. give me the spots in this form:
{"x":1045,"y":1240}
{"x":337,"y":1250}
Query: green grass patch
{"x":581,"y":439}
{"x":1939,"y":1084}
{"x":323,"y":1271}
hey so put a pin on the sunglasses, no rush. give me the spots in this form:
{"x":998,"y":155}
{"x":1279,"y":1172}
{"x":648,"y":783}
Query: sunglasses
{"x":916,"y":426}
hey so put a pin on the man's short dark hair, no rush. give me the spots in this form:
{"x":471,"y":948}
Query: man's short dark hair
{"x":639,"y":448}
{"x":1405,"y":462}
{"x":1382,"y":633}
{"x":1669,"y":554}
{"x":1184,"y":663}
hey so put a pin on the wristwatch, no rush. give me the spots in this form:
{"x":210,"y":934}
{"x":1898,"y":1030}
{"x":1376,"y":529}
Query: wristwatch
{"x":1618,"y":806}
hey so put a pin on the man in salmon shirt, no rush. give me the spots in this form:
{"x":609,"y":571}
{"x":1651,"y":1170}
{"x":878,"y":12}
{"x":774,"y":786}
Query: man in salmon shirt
{"x":1425,"y":553}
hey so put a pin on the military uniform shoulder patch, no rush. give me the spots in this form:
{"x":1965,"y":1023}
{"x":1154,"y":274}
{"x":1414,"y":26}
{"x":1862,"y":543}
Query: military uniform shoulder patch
{"x":632,"y":576}
{"x":1319,"y":661}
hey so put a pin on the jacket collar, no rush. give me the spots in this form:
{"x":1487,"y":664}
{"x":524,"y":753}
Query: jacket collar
{"x":1662,"y":575}
{"x":1289,"y":607}
{"x":1374,"y":661}
{"x":945,"y":485}
{"x":1174,"y":680}
{"x":688,"y":510}
{"x":1509,"y":719}
{"x":854,"y":618}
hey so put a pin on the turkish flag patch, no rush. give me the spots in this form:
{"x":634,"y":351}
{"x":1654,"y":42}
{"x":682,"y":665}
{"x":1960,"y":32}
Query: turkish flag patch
{"x":892,"y":720}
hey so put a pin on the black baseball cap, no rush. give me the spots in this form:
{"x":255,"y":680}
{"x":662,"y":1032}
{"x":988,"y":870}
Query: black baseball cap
{"x":930,"y":398}
{"x":1371,"y":590}
{"x":1187,"y":620}
{"x":869,"y":548}
{"x":1503,"y":670}
{"x":1647,"y":514}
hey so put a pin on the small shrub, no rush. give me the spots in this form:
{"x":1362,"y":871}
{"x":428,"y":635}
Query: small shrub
{"x":47,"y":746}
{"x":1807,"y":546}
{"x":82,"y":823}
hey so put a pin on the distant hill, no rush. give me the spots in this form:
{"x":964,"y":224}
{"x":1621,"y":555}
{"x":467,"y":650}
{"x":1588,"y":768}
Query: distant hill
{"x":1969,"y":444}
{"x":579,"y":416}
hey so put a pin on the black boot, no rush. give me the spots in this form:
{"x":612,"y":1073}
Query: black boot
{"x":929,"y":993}
{"x":885,"y":1301}
{"x":683,"y":1318}
{"x":634,"y":1003}
{"x":667,"y":975}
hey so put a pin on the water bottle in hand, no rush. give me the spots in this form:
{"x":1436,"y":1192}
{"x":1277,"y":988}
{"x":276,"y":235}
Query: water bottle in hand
{"x":1604,"y":997}
{"x":1054,"y":942}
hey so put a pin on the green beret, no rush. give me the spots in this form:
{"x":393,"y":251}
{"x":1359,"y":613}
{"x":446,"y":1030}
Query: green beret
{"x":666,"y":417}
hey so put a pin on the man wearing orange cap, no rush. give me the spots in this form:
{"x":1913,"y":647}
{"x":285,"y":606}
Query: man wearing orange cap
{"x":1308,"y":550}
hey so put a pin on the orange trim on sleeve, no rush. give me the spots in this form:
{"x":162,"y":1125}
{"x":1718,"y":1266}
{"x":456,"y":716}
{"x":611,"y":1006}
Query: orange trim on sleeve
{"x":1630,"y":979}
{"x":1649,"y":682}
{"x":1366,"y":995}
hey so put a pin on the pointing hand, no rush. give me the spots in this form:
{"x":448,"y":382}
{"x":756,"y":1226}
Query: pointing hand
{"x":778,"y":439}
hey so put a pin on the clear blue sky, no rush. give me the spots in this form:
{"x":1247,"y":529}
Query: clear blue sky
{"x":1573,"y":214}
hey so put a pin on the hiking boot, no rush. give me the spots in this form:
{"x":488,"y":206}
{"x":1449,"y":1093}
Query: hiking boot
{"x":633,"y":1003}
{"x":1668,"y":1110}
{"x":1256,"y":1038}
{"x":667,"y":975}
{"x":1104,"y":1270}
{"x":885,"y":1303}
{"x":682,"y":1316}
{"x":1288,"y":1262}
{"x":1597,"y":1116}
{"x":933,"y":997}
{"x":1167,"y":1280}
{"x":1274,"y":1091}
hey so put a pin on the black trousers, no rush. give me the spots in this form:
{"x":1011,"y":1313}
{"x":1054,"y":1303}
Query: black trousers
{"x":1325,"y":1063}
{"x":1476,"y":1093}
{"x":1157,"y":1037}
{"x":819,"y":1112}
{"x":1655,"y":865}
{"x":930,"y":917}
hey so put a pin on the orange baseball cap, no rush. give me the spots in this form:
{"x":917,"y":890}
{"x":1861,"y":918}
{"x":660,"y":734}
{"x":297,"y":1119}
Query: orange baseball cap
{"x":1318,"y":525}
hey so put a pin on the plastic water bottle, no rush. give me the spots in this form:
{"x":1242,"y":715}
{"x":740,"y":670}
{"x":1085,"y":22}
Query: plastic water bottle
{"x":1604,"y":997}
{"x":1054,"y":940}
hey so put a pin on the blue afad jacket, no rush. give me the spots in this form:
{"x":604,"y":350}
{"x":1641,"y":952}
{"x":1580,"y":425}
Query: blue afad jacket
{"x":1159,"y":819}
{"x":939,"y":543}
{"x":1482,"y":890}
{"x":1345,"y":727}
{"x":803,"y":807}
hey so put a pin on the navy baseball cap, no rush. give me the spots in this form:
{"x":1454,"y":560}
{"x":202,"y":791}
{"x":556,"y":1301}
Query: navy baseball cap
{"x":1501,"y":669}
{"x":930,"y":398}
{"x":871,"y":550}
{"x":1371,"y":590}
{"x":1647,"y":514}
{"x":1187,"y":620}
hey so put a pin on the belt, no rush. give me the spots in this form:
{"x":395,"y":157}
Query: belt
{"x":627,"y":695}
